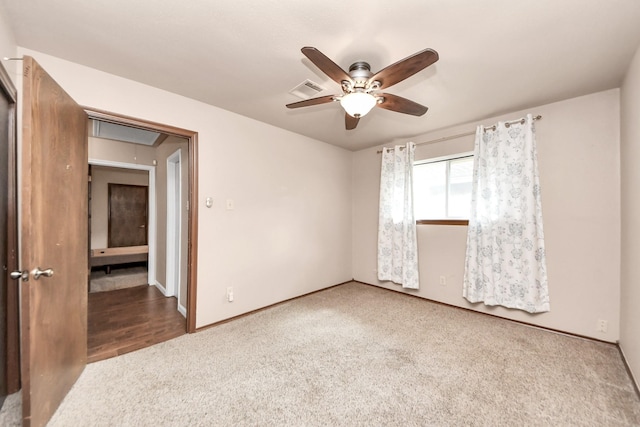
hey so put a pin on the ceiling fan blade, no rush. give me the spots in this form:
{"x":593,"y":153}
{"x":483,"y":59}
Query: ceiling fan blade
{"x":326,"y":65}
{"x":404,"y":68}
{"x":350,"y":122}
{"x":401,"y":105}
{"x":312,"y":101}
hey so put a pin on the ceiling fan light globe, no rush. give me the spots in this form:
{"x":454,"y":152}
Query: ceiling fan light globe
{"x":357,"y":104}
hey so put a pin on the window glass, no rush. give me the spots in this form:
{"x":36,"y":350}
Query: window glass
{"x":442,"y":189}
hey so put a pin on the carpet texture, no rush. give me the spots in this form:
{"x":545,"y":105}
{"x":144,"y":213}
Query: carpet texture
{"x":120,"y":278}
{"x":11,"y":412}
{"x":356,"y":355}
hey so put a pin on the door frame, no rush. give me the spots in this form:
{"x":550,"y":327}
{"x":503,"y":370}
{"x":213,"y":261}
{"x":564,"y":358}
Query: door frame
{"x":13,"y":305}
{"x":192,"y":196}
{"x":151,"y":202}
{"x":174,"y":227}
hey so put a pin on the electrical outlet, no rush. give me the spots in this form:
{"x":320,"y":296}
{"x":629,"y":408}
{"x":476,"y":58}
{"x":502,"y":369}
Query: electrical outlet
{"x":602,"y":326}
{"x":443,"y":280}
{"x":230,"y":294}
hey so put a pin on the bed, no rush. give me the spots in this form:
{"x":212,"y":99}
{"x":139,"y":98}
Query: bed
{"x":108,"y":257}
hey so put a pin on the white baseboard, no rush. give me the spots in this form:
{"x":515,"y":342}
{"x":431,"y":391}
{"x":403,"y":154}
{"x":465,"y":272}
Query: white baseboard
{"x":182,"y":310}
{"x":162,"y":288}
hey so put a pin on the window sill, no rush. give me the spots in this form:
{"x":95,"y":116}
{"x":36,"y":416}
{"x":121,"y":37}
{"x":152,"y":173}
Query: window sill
{"x":442,"y":222}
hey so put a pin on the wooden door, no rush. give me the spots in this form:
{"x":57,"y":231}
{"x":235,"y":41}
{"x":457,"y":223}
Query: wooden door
{"x":127,"y":215}
{"x":54,"y":235}
{"x":9,"y":332}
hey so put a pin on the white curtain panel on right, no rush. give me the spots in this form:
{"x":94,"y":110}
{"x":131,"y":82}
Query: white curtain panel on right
{"x":505,"y":263}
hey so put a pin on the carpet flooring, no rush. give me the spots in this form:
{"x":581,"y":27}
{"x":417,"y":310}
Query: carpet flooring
{"x":119,"y":278}
{"x":356,"y":355}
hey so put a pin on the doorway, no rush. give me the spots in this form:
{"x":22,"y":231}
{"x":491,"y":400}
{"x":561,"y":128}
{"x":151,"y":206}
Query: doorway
{"x":163,"y":185}
{"x":126,"y":309}
{"x":191,"y":235}
{"x":122,"y":225}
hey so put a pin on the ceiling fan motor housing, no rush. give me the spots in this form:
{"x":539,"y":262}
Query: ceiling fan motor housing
{"x":360,"y":73}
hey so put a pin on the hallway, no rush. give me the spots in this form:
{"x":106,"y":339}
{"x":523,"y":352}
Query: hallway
{"x":129,"y":319}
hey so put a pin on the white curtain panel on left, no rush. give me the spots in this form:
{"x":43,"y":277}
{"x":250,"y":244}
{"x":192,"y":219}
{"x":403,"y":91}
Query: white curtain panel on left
{"x":397,"y":243}
{"x":505,"y":263}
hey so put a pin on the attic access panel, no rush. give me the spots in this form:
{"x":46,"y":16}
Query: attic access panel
{"x":117,"y":132}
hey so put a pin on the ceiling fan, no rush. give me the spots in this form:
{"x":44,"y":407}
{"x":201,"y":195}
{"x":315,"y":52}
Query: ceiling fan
{"x":360,"y":87}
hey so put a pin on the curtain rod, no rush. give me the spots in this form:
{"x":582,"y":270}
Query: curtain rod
{"x":459,"y":135}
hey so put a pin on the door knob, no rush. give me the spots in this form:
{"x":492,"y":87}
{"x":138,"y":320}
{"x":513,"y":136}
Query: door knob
{"x":24,"y":275}
{"x":37,"y":273}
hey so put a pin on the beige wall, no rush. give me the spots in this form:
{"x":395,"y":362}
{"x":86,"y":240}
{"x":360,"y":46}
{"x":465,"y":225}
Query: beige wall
{"x":101,"y":177}
{"x":290,"y":231}
{"x":630,"y":155}
{"x":578,"y":152}
{"x":8,"y":46}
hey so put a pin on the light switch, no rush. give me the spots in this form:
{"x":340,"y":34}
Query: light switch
{"x":230,"y":204}
{"x":209,"y":202}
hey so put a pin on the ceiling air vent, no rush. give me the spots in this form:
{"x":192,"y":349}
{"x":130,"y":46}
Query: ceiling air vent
{"x":124,"y":133}
{"x":307,"y":89}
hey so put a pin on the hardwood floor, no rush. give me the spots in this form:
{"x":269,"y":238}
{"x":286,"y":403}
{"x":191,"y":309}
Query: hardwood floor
{"x":129,"y":319}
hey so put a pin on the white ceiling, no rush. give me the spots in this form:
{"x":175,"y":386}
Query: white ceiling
{"x":496,"y":56}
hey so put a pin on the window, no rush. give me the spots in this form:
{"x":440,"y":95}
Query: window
{"x":442,"y":189}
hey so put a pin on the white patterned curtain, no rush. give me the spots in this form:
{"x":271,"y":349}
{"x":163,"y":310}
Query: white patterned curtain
{"x":397,"y":244}
{"x":505,"y":263}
